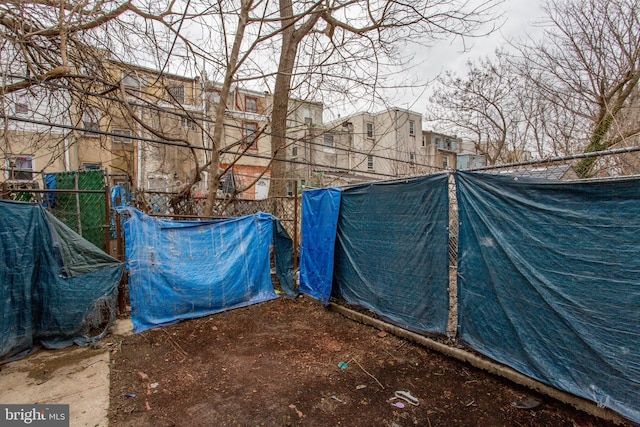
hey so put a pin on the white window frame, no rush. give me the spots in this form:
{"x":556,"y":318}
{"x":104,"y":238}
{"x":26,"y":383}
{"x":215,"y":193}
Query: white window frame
{"x":294,"y":151}
{"x":412,"y":127}
{"x":370,"y":164}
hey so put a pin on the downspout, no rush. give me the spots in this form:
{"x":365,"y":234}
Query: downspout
{"x":395,"y":125}
{"x":67,"y":156}
{"x":205,"y":122}
{"x":139,"y":153}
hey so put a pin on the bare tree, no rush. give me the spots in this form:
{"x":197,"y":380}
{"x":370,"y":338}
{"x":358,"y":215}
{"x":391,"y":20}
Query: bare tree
{"x":486,"y":107}
{"x":81,"y":53}
{"x":355,"y":42}
{"x":588,"y":66}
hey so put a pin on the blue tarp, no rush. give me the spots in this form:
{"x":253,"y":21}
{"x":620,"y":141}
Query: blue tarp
{"x":549,"y":282}
{"x":53,"y":284}
{"x":320,"y":210}
{"x":392,"y":251}
{"x":185,"y":269}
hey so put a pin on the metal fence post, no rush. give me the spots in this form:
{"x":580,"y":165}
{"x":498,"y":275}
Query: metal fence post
{"x":295,"y":227}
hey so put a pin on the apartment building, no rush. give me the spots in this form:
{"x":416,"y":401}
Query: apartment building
{"x":28,"y":145}
{"x":369,"y":146}
{"x":246,"y":140}
{"x":155,"y":139}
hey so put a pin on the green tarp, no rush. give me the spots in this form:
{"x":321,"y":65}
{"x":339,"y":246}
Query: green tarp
{"x":55,"y":287}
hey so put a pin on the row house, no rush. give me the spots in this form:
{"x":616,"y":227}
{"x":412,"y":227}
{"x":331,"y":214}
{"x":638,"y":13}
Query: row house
{"x":368,"y":146}
{"x":162,"y":133}
{"x":151,"y":142}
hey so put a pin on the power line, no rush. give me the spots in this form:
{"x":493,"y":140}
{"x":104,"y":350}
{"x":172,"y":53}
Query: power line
{"x":208,"y":120}
{"x":562,"y":158}
{"x":177,"y":144}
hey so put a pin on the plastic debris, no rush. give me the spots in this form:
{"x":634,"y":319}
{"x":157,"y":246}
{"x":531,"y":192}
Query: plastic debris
{"x":130,"y":395}
{"x":406,"y":397}
{"x":343,"y":365}
{"x":154,"y":385}
{"x":360,"y":387}
{"x":399,"y":405}
{"x":334,"y":397}
{"x":529,"y":403}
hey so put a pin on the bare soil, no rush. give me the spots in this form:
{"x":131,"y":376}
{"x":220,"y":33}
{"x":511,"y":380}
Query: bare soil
{"x":276,"y":364}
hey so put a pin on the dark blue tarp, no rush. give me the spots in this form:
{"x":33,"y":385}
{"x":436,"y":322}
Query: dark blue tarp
{"x":186,"y":269}
{"x":549,"y":282}
{"x":392,"y":251}
{"x":53,"y":284}
{"x":320,"y":210}
{"x":283,"y":251}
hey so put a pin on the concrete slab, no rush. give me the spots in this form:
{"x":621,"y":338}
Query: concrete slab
{"x":77,"y":376}
{"x":122,"y":327}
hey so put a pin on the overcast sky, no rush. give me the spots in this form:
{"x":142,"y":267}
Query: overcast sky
{"x":518,"y":21}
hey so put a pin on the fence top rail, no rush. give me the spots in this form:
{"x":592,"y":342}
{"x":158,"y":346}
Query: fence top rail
{"x":44,"y":190}
{"x":178,"y":216}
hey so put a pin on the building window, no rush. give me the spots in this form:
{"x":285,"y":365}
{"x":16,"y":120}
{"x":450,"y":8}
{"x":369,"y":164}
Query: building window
{"x":307,"y":117}
{"x":91,"y":166}
{"x":250,"y":135}
{"x":294,"y":151}
{"x":289,"y":186}
{"x":328,"y":140}
{"x":369,"y":130}
{"x":370,"y":162}
{"x":445,"y":162}
{"x":123,"y":136}
{"x":412,"y":127}
{"x":188,"y":123}
{"x":251,"y":105}
{"x":176,"y":94}
{"x":424,"y":141}
{"x":22,"y":105}
{"x":214,"y":97}
{"x":412,"y":158}
{"x":20,"y":168}
{"x":157,"y":182}
{"x":91,"y":122}
{"x":131,"y":80}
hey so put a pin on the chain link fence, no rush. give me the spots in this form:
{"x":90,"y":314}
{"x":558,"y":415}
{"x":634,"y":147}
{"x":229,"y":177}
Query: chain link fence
{"x":78,"y":199}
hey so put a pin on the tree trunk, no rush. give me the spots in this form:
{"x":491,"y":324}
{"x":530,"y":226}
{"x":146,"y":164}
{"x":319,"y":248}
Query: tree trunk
{"x":218,"y":129}
{"x":281,"y":90}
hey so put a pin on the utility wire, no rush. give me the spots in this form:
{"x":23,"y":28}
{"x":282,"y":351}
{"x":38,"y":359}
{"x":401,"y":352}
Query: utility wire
{"x":208,"y":120}
{"x":177,"y":144}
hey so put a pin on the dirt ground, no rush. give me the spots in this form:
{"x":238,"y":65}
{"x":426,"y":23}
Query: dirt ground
{"x":277,"y":364}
